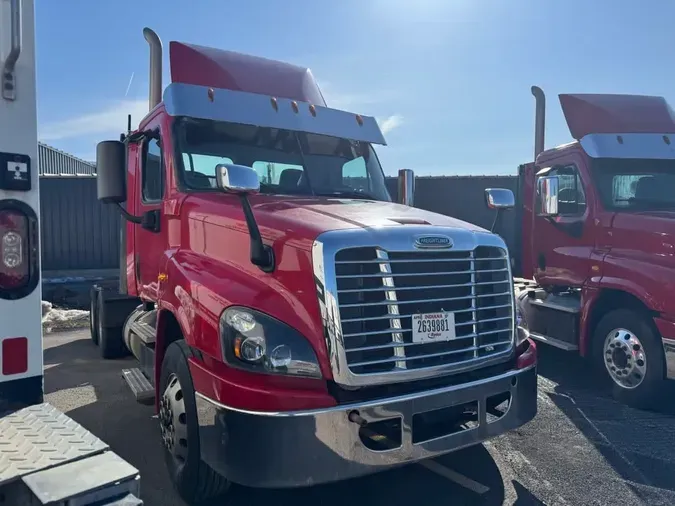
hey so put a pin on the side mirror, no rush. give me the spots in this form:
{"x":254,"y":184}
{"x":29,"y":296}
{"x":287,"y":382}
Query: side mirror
{"x":110,"y":172}
{"x":406,"y":187}
{"x":237,"y":179}
{"x":499,"y":198}
{"x":547,"y":196}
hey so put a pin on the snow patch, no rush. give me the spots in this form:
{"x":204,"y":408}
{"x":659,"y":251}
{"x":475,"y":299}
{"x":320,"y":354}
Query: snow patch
{"x":57,"y":319}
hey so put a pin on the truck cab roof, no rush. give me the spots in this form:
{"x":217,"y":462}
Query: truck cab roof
{"x":616,"y":114}
{"x":217,"y":68}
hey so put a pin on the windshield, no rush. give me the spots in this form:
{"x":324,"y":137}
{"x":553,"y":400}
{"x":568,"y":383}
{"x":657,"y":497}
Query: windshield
{"x":635,"y":184}
{"x":287,"y":163}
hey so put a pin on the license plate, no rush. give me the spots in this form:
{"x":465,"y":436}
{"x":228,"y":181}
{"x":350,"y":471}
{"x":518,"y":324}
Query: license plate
{"x":433,"y":327}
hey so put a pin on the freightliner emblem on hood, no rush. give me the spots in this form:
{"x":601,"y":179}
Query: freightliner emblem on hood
{"x":433,"y":242}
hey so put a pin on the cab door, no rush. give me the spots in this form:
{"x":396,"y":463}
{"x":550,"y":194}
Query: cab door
{"x":150,"y":237}
{"x":562,"y":243}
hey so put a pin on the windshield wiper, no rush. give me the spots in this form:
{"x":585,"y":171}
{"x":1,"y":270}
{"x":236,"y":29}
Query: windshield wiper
{"x":354,"y":194}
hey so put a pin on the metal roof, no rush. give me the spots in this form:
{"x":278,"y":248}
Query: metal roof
{"x":53,"y":162}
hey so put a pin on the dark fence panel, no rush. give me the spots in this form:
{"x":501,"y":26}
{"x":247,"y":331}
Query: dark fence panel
{"x":77,"y":231}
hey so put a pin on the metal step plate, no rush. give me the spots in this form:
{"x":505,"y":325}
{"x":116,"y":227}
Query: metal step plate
{"x":140,"y":386}
{"x":39,"y":437}
{"x":100,"y":478}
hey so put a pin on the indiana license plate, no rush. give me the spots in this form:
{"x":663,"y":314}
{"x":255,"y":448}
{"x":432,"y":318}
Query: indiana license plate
{"x":433,"y":327}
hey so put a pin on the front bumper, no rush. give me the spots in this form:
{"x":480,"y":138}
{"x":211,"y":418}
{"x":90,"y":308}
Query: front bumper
{"x":303,"y":448}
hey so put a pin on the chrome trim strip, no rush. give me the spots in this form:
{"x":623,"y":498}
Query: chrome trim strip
{"x":253,"y":109}
{"x":373,"y":403}
{"x":390,"y":239}
{"x":633,"y":145}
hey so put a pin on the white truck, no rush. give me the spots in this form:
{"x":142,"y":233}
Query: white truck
{"x":45,"y":457}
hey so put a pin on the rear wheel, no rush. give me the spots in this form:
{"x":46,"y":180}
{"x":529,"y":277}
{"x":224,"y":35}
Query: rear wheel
{"x":93,"y":315}
{"x":194,"y":480}
{"x":630,"y":352}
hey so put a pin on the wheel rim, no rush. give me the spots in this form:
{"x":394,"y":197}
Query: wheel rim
{"x":173,"y":420}
{"x":625,"y":358}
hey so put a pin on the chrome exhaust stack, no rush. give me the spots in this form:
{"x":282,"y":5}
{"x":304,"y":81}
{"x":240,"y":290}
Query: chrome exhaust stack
{"x":539,"y":120}
{"x":155,"y":66}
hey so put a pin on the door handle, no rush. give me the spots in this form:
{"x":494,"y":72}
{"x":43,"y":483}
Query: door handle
{"x":150,"y":220}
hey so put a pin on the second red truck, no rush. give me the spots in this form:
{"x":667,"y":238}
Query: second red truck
{"x":596,"y":225}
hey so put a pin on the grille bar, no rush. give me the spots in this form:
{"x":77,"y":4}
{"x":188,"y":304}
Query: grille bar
{"x":387,"y":346}
{"x":398,"y":316}
{"x":449,"y":273}
{"x":421,"y":301}
{"x":380,"y":291}
{"x":432,"y":355}
{"x":421,"y":260}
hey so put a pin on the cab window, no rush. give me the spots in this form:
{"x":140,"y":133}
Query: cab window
{"x":153,"y":173}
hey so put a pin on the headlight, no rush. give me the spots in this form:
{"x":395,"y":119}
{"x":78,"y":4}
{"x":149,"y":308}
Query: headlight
{"x":257,"y":342}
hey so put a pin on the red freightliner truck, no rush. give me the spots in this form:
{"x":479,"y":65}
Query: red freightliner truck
{"x":596,"y":224}
{"x":292,"y":324}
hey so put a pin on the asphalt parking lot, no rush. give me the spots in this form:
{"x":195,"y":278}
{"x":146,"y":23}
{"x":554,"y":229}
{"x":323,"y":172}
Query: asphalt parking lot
{"x":582,"y":448}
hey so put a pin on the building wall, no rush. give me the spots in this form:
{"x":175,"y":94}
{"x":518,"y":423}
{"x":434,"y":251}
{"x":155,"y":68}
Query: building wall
{"x":78,"y":232}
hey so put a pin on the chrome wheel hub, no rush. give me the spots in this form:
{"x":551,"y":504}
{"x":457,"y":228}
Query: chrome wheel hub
{"x":173,"y":420}
{"x":625,"y":358}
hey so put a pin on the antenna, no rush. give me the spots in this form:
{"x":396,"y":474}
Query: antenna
{"x":128,"y":124}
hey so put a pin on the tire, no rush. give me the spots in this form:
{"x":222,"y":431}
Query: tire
{"x":622,"y":327}
{"x":93,"y":315}
{"x":194,"y":480}
{"x":110,"y":339}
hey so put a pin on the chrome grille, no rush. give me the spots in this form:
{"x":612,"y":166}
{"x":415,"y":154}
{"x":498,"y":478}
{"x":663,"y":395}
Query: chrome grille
{"x":379,"y":292}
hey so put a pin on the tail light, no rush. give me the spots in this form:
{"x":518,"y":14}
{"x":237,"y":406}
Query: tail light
{"x":19,"y":263}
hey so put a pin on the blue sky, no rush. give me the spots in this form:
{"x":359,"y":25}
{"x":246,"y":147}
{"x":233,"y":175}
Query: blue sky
{"x":449,"y":80}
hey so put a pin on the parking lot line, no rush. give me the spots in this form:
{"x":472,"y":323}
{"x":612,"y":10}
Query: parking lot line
{"x":451,"y":475}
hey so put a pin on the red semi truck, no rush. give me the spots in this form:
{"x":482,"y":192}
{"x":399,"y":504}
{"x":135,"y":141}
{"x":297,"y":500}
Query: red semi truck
{"x":597,"y":232}
{"x":293,"y":325}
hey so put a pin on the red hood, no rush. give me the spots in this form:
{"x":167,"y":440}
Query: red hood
{"x":307,"y":217}
{"x":615,"y":114}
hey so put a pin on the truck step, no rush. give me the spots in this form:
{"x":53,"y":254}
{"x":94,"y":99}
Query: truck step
{"x":557,"y":343}
{"x":143,"y":330}
{"x":140,"y":386}
{"x":101,"y":479}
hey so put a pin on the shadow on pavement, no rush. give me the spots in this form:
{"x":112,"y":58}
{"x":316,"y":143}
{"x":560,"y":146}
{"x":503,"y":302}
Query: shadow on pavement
{"x":638,"y":444}
{"x":524,"y":497}
{"x":92,"y":392}
{"x":411,"y":484}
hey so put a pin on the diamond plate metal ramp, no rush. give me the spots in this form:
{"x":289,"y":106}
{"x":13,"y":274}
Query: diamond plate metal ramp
{"x":39,"y":437}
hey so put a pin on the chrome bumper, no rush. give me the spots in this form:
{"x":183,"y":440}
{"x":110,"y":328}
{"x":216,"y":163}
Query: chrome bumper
{"x":292,"y":449}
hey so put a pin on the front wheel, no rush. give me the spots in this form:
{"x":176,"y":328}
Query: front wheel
{"x":629,"y":350}
{"x":194,"y":480}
